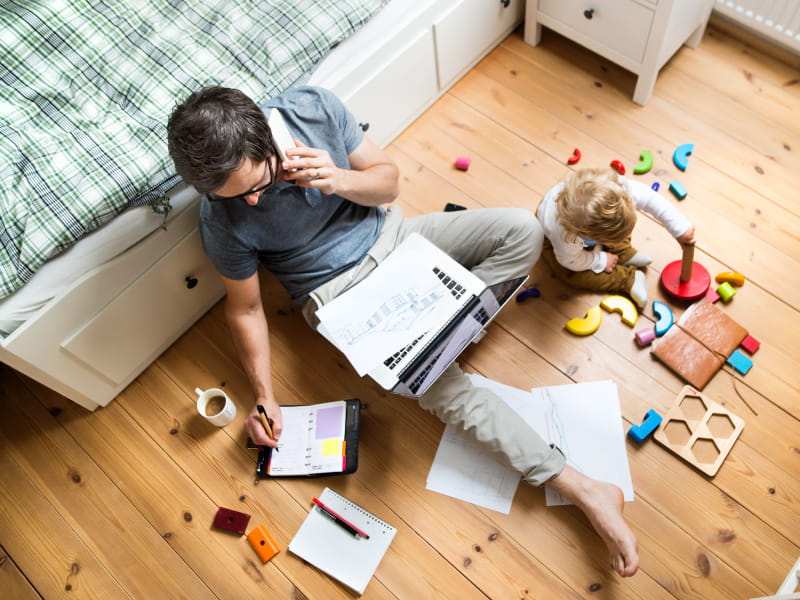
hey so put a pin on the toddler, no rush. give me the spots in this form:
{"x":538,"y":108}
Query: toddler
{"x":588,"y":219}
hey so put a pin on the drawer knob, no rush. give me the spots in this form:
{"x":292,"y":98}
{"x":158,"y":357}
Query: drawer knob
{"x":588,"y":13}
{"x":364,"y":126}
{"x":191,"y":281}
{"x":505,"y":3}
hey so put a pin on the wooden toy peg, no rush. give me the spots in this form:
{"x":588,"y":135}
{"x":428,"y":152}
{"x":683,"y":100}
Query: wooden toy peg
{"x":687,"y":262}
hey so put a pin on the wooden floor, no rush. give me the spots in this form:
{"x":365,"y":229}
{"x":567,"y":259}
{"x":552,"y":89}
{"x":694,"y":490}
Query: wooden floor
{"x":119,"y":503}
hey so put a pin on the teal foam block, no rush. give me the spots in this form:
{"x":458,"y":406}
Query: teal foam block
{"x":740,"y":362}
{"x":651,"y":421}
{"x":677,"y":188}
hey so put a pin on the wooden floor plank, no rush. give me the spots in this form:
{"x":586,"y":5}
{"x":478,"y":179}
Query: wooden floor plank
{"x":180,"y":509}
{"x":13,"y":582}
{"x":731,"y":44}
{"x":84,"y":503}
{"x":50,"y":554}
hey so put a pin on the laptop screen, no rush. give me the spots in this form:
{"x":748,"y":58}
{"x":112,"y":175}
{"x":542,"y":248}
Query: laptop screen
{"x":423,"y":372}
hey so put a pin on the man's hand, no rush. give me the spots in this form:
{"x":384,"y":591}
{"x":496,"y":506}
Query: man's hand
{"x":372,"y":179}
{"x":256,"y":428}
{"x":311,"y":167}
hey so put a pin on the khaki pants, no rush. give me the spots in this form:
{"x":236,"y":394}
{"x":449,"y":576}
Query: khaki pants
{"x":619,"y":280}
{"x":496,"y":244}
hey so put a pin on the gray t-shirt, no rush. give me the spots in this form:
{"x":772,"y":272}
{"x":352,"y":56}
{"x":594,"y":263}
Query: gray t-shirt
{"x":301,"y":235}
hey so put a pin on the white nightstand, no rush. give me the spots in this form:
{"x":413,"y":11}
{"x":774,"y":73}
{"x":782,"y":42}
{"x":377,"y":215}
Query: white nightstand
{"x":638,"y":35}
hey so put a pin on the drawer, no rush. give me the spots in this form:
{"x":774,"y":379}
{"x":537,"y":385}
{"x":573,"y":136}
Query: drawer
{"x":402,"y":85}
{"x":131,"y":330}
{"x":469,"y":30}
{"x":622,"y":26}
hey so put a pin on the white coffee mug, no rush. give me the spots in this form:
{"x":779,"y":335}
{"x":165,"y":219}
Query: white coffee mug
{"x":222,"y":409}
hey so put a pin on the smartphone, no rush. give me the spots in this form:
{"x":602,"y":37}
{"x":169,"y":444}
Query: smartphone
{"x":280,"y":133}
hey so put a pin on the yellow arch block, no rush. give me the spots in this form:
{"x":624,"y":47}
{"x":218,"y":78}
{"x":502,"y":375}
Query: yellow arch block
{"x":731,"y":277}
{"x":588,"y":324}
{"x":623,"y":306}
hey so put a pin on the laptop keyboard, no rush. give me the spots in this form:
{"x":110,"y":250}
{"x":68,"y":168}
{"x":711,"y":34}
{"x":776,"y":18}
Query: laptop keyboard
{"x":481,"y":316}
{"x":456,"y":289}
{"x":395,"y":358}
{"x":419,"y":379}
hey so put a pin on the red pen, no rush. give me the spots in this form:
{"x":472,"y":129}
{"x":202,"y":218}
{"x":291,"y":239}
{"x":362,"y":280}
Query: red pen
{"x":339,"y":520}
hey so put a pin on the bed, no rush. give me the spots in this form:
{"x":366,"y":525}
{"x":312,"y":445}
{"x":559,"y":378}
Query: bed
{"x":101,"y":267}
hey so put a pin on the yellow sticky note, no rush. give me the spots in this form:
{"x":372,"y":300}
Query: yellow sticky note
{"x":331,"y":447}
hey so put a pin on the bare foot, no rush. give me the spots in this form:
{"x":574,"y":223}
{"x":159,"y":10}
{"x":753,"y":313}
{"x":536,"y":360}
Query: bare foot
{"x":602,"y":503}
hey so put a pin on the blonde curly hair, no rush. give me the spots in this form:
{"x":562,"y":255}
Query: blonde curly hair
{"x":595,"y":204}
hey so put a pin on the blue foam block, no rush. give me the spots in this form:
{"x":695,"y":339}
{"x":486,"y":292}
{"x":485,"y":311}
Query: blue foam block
{"x":651,"y":421}
{"x":740,"y":362}
{"x":665,"y":318}
{"x":677,"y":188}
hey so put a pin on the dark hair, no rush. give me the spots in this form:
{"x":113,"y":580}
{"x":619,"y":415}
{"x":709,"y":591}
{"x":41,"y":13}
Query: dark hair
{"x":211,"y":132}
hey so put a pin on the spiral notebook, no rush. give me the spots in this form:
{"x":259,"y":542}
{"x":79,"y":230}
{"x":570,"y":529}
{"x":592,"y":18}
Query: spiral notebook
{"x":350,"y":559}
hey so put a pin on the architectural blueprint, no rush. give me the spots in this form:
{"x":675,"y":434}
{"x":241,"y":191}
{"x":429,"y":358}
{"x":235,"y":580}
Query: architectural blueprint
{"x":411,"y":294}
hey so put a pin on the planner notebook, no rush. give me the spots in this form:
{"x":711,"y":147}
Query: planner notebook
{"x":350,"y":559}
{"x":318,"y":439}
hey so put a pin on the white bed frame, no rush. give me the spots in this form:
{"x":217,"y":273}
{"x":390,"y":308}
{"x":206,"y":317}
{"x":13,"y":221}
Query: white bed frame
{"x":91,"y":341}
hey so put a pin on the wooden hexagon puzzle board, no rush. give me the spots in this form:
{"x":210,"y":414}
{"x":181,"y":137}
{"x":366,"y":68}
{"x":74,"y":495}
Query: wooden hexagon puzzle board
{"x":699,"y":430}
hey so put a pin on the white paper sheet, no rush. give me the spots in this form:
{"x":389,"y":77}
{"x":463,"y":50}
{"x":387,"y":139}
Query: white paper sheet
{"x":399,"y":301}
{"x":462,"y":470}
{"x":582,"y":419}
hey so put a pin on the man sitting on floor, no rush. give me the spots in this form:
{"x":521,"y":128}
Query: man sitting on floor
{"x":317,"y":222}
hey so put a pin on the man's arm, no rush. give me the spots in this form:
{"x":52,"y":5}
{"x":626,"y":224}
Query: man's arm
{"x":371,"y":180}
{"x":250,"y":332}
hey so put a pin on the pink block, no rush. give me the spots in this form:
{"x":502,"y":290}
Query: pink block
{"x":712,"y":295}
{"x":750,"y":344}
{"x":645,"y":336}
{"x":462,"y":163}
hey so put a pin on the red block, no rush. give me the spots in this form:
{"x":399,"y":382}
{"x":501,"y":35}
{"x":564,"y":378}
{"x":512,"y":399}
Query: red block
{"x":231,"y":520}
{"x":750,"y":344}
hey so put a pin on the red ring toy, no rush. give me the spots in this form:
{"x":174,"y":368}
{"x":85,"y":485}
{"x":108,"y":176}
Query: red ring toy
{"x":685,"y":279}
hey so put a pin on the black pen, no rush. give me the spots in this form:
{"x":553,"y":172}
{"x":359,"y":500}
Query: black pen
{"x":339,"y":520}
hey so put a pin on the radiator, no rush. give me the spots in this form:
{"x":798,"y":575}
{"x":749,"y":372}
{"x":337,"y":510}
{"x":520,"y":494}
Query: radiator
{"x":777,"y":20}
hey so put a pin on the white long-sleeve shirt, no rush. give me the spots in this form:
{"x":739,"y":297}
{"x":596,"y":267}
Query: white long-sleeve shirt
{"x":570,"y":252}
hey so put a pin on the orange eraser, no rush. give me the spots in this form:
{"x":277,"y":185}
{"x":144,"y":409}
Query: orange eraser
{"x":262,"y":543}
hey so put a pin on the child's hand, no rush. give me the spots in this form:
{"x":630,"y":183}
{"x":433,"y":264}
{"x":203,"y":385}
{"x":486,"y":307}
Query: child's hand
{"x":611,"y":262}
{"x":687,"y":239}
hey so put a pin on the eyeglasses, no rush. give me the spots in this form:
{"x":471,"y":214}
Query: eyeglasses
{"x":259,"y":190}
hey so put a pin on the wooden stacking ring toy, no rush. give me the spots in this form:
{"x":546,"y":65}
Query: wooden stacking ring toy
{"x":685,"y":279}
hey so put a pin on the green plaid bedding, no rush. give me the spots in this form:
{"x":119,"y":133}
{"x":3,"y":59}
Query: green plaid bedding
{"x":86,"y":88}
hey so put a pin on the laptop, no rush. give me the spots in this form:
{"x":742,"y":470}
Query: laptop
{"x":411,"y":317}
{"x":411,"y":370}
